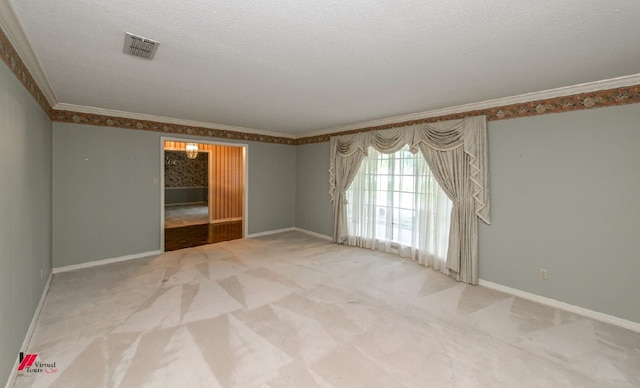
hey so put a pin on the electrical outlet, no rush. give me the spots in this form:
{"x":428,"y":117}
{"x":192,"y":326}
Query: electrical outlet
{"x":543,"y":273}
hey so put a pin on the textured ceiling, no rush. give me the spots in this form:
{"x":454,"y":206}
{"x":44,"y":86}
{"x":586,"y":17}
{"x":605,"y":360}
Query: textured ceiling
{"x":294,"y":66}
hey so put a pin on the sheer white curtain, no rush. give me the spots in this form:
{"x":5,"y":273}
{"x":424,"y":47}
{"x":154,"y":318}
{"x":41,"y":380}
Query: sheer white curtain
{"x":457,"y":153}
{"x":395,"y":204}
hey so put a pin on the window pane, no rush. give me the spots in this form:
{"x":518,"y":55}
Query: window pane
{"x":394,"y":198}
{"x":407,"y":184}
{"x":406,"y":200}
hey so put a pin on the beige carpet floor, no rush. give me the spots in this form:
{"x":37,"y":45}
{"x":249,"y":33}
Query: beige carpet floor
{"x":292,"y":310}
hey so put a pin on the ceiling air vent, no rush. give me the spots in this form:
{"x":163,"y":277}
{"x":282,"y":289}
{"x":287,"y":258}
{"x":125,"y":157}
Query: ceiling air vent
{"x":139,"y":46}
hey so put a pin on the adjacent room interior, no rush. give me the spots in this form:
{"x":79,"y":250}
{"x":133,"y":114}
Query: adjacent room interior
{"x":204,"y":195}
{"x":359,"y":193}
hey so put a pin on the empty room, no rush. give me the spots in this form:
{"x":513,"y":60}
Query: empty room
{"x":319,"y":194}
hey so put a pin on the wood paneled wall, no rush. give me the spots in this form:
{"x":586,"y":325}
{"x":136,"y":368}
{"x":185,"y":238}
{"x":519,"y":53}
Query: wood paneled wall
{"x":226,"y":172}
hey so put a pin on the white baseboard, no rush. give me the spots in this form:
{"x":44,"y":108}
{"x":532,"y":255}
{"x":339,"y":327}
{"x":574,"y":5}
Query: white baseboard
{"x":27,"y":338}
{"x":635,"y":326}
{"x":96,"y":263}
{"x":270,"y":232}
{"x":319,"y":235}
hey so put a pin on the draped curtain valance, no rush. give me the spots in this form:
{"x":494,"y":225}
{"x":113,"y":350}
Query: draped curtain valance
{"x":456,"y":152}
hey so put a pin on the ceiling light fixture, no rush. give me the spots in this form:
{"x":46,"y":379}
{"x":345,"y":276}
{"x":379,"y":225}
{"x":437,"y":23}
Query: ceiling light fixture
{"x":192,"y":150}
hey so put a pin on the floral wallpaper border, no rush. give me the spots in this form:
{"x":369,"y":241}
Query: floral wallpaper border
{"x":597,"y":99}
{"x":14,"y":62}
{"x":121,"y":122}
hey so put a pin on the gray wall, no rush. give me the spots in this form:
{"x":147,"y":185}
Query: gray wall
{"x":25,"y":213}
{"x":565,"y":196}
{"x":272,"y":187}
{"x":106,"y":193}
{"x":314,"y":212}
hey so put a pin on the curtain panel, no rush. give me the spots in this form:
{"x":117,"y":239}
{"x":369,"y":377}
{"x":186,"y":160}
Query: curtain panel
{"x":457,"y":154}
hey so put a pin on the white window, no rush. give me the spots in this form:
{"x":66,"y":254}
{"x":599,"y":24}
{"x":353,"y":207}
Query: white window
{"x":395,"y":203}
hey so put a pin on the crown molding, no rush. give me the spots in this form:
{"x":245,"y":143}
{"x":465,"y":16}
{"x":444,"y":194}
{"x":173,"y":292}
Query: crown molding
{"x":13,"y":31}
{"x":613,"y":92}
{"x":120,"y":119}
{"x":588,"y":87}
{"x":166,"y":120}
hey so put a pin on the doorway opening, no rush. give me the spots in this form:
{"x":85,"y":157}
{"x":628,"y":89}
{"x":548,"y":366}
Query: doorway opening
{"x":203,"y":196}
{"x":186,"y":188}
